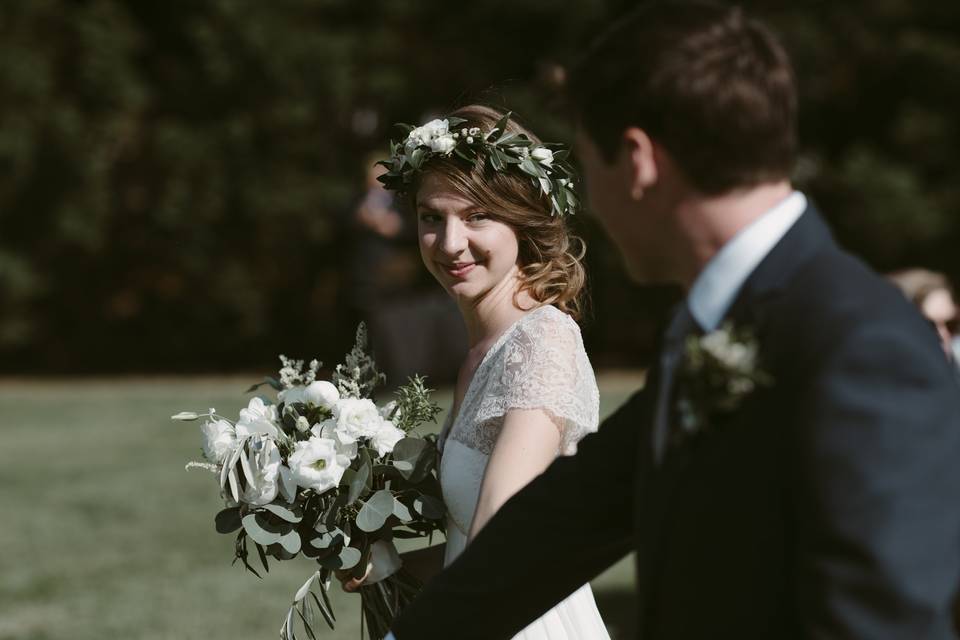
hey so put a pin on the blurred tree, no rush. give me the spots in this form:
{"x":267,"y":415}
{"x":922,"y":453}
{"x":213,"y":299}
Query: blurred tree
{"x":176,"y":174}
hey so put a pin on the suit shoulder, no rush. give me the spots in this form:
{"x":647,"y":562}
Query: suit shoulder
{"x":835,"y":297}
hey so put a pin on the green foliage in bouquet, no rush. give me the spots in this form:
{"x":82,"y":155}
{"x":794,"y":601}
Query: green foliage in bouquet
{"x":328,"y":475}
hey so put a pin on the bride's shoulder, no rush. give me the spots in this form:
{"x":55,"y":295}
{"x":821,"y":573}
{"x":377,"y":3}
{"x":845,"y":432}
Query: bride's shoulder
{"x":551,"y":325}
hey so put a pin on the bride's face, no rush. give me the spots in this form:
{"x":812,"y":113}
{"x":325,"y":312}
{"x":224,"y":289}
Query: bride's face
{"x":466,"y":249}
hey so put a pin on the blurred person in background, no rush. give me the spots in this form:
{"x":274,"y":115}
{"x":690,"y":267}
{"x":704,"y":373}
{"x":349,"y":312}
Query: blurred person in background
{"x":413,"y":329}
{"x":933,"y":296}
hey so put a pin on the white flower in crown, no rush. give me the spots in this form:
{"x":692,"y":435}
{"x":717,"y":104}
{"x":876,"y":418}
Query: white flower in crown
{"x":424,"y":135}
{"x":315,"y":464}
{"x":264,"y":462}
{"x":356,"y":418}
{"x":443,"y":144}
{"x":542,"y":155}
{"x":219,"y":439}
{"x":258,"y":418}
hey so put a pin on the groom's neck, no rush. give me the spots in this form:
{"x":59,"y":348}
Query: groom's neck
{"x":706,"y":223}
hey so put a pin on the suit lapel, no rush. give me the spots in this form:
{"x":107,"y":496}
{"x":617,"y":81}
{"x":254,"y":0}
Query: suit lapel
{"x":657,"y":483}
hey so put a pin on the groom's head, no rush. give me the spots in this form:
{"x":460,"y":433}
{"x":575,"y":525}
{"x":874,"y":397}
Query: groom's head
{"x":679,"y":98}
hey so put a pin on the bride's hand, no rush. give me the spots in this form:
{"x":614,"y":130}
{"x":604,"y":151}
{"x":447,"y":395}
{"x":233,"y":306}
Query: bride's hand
{"x":384,"y":561}
{"x":351,"y":584}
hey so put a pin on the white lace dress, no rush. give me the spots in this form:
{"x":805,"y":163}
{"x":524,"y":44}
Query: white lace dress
{"x":538,"y":363}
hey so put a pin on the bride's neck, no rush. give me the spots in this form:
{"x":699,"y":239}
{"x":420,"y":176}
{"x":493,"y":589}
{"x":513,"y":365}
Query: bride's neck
{"x":490,"y":315}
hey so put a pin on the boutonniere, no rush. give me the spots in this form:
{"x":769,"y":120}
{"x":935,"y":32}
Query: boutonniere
{"x":717,"y":372}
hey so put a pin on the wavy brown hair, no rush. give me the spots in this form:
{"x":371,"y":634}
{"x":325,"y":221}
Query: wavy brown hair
{"x":550,"y":257}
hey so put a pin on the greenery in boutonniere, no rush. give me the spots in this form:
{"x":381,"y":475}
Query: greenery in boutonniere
{"x":719,"y":370}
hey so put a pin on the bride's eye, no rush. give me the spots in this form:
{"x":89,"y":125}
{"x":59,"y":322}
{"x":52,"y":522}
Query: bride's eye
{"x":479,"y":216}
{"x":429,"y":218}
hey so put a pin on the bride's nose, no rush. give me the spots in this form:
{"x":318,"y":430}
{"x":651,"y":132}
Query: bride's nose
{"x":454,"y":240}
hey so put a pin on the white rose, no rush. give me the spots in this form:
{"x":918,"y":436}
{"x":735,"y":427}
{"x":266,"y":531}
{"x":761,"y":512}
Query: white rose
{"x":542,"y":155}
{"x":314,"y":464}
{"x":415,"y":138}
{"x":443,"y":144}
{"x":386,"y":438}
{"x":264,"y":465}
{"x":356,"y":418}
{"x":258,"y":418}
{"x":291,"y":395}
{"x":346,"y":451}
{"x":435,"y":129}
{"x":219,"y":439}
{"x":322,"y":394}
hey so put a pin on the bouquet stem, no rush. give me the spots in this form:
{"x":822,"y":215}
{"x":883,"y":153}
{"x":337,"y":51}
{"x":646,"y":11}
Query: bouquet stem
{"x":382,"y":602}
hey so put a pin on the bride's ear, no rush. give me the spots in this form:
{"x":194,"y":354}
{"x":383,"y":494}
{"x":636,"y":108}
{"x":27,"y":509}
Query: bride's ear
{"x":641,"y":161}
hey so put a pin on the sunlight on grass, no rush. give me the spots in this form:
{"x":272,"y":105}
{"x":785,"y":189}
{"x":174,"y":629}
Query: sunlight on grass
{"x":107,"y":536}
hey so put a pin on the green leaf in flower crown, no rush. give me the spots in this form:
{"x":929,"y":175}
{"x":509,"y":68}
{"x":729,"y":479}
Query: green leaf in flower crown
{"x":257,"y":533}
{"x":500,"y":128}
{"x":228,"y":520}
{"x":417,"y":157}
{"x":375,"y":511}
{"x":496,"y":160}
{"x":283,"y":513}
{"x":454,"y":122}
{"x":533,"y":169}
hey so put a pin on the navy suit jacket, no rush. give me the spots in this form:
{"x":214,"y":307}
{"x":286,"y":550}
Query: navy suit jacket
{"x":826,"y":506}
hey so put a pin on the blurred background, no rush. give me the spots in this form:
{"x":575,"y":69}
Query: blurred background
{"x":184,"y":190}
{"x":179,"y":180}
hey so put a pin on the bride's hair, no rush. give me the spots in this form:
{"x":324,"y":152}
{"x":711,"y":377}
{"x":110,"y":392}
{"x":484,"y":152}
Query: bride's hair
{"x":550,"y":257}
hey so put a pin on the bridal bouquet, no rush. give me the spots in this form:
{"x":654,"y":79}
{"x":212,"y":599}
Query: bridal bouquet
{"x":325,"y":473}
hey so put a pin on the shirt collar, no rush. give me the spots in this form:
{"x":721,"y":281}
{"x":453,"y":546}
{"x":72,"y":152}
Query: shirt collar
{"x":717,"y":286}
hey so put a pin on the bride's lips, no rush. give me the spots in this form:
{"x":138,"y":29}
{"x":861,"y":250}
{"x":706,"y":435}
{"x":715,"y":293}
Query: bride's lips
{"x":459,"y":269}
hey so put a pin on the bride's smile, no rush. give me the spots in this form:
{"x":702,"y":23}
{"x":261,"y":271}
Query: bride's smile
{"x":468,"y":250}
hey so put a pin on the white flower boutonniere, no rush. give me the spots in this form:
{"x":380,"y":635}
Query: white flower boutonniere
{"x":718,"y":372}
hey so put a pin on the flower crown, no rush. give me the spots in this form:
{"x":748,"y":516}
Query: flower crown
{"x":544,"y":164}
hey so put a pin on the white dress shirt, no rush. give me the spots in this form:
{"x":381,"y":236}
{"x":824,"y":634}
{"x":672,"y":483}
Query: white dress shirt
{"x":718,"y":284}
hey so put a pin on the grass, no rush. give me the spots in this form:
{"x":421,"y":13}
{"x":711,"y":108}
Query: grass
{"x":105,"y":535}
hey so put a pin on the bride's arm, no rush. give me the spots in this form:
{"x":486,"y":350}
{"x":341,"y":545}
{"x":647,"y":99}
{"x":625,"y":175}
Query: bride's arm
{"x":528,"y":442}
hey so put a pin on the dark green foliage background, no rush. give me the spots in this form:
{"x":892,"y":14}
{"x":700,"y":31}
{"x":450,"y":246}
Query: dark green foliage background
{"x":174,"y":175}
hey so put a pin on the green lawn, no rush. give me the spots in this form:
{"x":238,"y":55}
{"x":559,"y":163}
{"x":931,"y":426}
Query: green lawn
{"x":105,"y":535}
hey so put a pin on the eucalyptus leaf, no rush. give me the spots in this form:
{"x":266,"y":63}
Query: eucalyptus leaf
{"x":375,"y":511}
{"x":400,"y":510}
{"x":291,"y":542}
{"x":228,"y":520}
{"x":349,"y":557}
{"x":283,"y":512}
{"x":429,"y":507}
{"x":360,"y":483}
{"x":256,"y":532}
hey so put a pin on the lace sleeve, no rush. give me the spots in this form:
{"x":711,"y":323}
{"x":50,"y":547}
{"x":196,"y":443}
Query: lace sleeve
{"x":545,"y":367}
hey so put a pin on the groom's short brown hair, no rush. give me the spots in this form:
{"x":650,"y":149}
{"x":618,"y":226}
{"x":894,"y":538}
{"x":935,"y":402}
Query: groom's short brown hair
{"x":712,"y":86}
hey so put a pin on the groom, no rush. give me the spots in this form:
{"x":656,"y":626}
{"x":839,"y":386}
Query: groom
{"x":818,"y":499}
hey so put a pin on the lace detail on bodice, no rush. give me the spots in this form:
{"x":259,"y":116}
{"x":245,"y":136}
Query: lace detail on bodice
{"x":538,"y":363}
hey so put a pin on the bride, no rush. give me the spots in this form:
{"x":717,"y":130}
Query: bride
{"x":493,"y":233}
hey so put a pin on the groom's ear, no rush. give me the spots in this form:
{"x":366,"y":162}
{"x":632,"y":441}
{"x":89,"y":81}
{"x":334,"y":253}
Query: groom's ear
{"x":642,"y":158}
